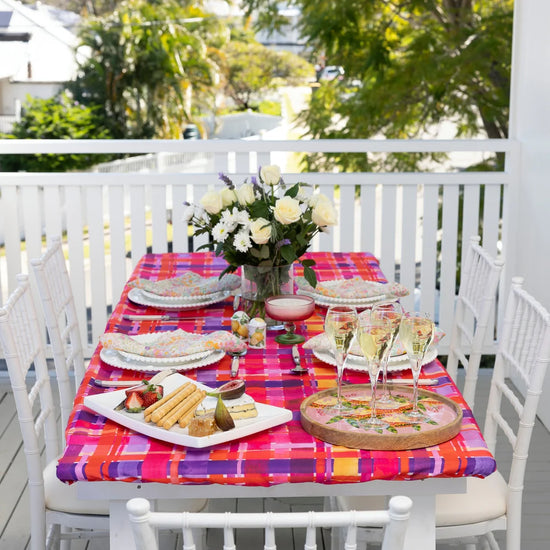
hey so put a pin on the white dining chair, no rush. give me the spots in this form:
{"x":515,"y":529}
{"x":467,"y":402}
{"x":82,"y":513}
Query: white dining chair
{"x":56,"y":296}
{"x":475,"y":302}
{"x":52,"y":503}
{"x":494,"y":503}
{"x":393,"y":520}
{"x":56,"y":513}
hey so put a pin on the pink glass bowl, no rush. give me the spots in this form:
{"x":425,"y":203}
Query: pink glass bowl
{"x":290,"y":307}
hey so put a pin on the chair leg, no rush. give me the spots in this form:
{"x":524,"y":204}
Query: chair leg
{"x":53,"y":539}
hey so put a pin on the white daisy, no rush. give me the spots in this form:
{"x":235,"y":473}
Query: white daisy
{"x":188,"y":213}
{"x":243,"y":218}
{"x":242,"y":241}
{"x":229,"y":218}
{"x":220,"y":232}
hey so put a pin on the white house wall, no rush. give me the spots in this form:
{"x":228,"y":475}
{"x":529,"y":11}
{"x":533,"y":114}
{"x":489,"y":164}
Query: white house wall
{"x":39,"y":66}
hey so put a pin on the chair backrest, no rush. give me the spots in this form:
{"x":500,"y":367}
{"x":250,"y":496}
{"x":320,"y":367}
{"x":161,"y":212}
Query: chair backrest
{"x":54,"y":288}
{"x":22,"y":345}
{"x":523,"y":355}
{"x":145,"y":523}
{"x":476,"y":297}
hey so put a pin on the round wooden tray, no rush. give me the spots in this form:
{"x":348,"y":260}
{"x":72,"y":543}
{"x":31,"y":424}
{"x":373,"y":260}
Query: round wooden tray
{"x":445,"y":419}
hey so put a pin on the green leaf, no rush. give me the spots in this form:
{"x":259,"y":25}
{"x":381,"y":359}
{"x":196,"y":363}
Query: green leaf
{"x":293,"y":191}
{"x":310,"y":276}
{"x":287,"y":252}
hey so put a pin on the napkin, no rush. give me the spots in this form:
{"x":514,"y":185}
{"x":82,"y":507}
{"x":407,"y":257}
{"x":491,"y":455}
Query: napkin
{"x":188,"y":284}
{"x":355,"y":288}
{"x":176,"y":343}
{"x":320,"y":342}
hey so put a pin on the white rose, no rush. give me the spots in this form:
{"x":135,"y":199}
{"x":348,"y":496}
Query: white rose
{"x":228,"y":196}
{"x":260,"y":231}
{"x":212,"y":202}
{"x":245,"y":194}
{"x":287,"y":210}
{"x":270,"y":174}
{"x":318,"y":198}
{"x":324,"y":214}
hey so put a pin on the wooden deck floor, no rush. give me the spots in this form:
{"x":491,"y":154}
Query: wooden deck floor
{"x":14,"y":506}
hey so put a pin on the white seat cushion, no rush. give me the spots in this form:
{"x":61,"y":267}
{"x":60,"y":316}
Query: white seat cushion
{"x":485,"y":499}
{"x":62,"y":497}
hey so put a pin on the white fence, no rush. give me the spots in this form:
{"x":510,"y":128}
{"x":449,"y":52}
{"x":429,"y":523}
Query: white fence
{"x":410,"y":221}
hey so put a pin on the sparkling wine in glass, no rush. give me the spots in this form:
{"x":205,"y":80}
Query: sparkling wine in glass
{"x":393,"y":312}
{"x":416,"y":334}
{"x":340,"y":327}
{"x":374,"y":334}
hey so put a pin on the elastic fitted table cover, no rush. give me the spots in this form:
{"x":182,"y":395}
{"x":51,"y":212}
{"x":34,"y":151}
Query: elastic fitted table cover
{"x":98,"y":449}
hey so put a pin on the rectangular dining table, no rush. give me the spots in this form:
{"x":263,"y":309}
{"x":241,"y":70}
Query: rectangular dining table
{"x":107,"y":460}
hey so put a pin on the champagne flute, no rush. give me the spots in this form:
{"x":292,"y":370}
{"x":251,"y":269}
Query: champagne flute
{"x":340,"y":327}
{"x":374,"y":334}
{"x":416,"y":334}
{"x":393,"y":312}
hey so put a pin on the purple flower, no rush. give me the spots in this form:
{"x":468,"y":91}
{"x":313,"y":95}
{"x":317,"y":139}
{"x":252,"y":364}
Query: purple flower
{"x":284,"y":242}
{"x":226,"y":180}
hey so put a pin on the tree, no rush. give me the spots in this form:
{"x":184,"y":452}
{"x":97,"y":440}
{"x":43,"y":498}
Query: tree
{"x":145,"y":60}
{"x":252,"y":69}
{"x":415,"y":63}
{"x":54,"y":118}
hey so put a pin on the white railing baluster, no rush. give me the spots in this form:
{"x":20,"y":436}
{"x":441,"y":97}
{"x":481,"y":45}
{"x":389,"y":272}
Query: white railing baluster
{"x":387,"y":250}
{"x":53,"y":214}
{"x":429,"y":216}
{"x":159,"y":222}
{"x":96,"y":262}
{"x":75,"y":238}
{"x":117,"y":244}
{"x":138,"y":222}
{"x":449,"y":241}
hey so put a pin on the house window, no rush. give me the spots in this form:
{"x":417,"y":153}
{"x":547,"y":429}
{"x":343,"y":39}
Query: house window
{"x":5,"y":18}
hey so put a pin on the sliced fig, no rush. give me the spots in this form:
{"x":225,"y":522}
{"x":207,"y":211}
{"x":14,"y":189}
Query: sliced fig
{"x":222,"y":417}
{"x":232,"y":389}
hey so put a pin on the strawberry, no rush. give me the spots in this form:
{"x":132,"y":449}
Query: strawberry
{"x":152,"y":394}
{"x":140,"y":389}
{"x":134,"y":402}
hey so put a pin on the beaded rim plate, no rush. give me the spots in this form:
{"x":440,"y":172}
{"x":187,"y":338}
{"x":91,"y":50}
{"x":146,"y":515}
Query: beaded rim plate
{"x":113,"y":358}
{"x":356,"y":363}
{"x":137,"y":296}
{"x":181,"y":299}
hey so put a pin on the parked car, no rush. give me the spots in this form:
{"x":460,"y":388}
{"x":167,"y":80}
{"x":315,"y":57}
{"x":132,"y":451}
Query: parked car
{"x":332,"y":72}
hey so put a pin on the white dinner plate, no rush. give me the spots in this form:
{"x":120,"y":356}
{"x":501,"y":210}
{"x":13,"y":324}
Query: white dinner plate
{"x":356,"y":363}
{"x":104,"y":404}
{"x":137,"y":296}
{"x":181,"y":299}
{"x":148,"y":364}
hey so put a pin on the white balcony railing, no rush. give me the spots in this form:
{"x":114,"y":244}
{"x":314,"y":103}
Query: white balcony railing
{"x":410,"y":221}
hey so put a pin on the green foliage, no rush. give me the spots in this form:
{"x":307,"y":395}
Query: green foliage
{"x":54,"y":118}
{"x":148,"y":61}
{"x":252,"y":70}
{"x":413,"y":64}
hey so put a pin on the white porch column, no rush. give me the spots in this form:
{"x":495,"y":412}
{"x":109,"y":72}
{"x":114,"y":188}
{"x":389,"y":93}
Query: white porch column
{"x":528,"y":253}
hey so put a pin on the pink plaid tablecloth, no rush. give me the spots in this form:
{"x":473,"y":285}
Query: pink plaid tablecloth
{"x":98,"y":449}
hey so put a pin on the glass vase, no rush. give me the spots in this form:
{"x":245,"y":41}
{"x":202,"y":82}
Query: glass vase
{"x":261,"y":282}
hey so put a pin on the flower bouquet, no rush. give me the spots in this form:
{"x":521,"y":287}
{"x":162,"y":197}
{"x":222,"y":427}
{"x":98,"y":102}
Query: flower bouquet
{"x":265,"y":225}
